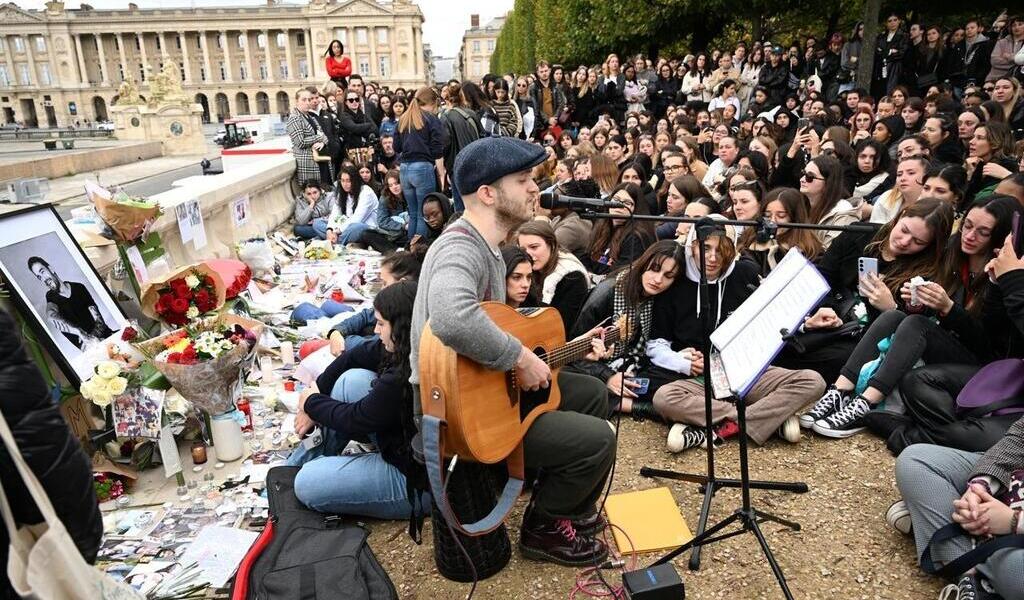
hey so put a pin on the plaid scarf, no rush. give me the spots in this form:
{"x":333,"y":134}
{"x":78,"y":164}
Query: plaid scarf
{"x":639,"y":318}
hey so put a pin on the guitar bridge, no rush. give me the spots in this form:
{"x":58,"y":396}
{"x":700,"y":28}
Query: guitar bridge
{"x":513,"y":388}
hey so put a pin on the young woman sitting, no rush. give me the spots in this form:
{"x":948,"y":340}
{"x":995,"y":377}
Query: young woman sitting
{"x":701,"y":207}
{"x":681,"y":192}
{"x":364,"y":395}
{"x":871,"y":174}
{"x":781,"y":205}
{"x":822,"y":183}
{"x":910,"y":246}
{"x":518,"y":277}
{"x":630,"y":292}
{"x":910,"y":173}
{"x":977,"y":314}
{"x":560,"y":279}
{"x":311,"y":207}
{"x":949,"y":184}
{"x":354,"y":211}
{"x":437,"y":212}
{"x":619,"y":241}
{"x":677,"y":337}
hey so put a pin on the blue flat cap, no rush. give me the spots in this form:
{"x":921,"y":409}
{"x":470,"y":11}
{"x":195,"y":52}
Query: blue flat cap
{"x":489,"y":159}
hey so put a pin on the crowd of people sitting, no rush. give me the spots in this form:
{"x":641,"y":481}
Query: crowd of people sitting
{"x":931,"y":153}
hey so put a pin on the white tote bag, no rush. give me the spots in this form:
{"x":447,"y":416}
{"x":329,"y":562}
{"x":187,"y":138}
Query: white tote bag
{"x":44,"y":562}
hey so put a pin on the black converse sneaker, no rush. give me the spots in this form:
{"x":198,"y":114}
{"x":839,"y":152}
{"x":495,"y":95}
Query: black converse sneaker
{"x":847,"y":420}
{"x":968,"y":587}
{"x":683,"y":437}
{"x":825,"y":406}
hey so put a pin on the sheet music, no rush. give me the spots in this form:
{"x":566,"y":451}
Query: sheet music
{"x":751,"y":337}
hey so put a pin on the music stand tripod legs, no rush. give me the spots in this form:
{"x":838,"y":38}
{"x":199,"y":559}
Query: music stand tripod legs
{"x":749,"y":516}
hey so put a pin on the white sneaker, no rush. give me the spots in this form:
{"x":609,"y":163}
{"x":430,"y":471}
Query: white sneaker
{"x":790,"y":430}
{"x":683,"y":437}
{"x":898,"y":517}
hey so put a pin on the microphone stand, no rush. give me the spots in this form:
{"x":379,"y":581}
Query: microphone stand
{"x":710,"y":482}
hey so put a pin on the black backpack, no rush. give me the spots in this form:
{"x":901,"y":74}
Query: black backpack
{"x":305,"y":555}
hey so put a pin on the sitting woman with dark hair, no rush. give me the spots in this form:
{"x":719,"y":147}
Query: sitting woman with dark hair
{"x":365,"y":395}
{"x":437,"y":213}
{"x":781,"y":205}
{"x":629,"y":292}
{"x":518,"y":277}
{"x":681,"y":192}
{"x":560,"y":279}
{"x":620,"y":241}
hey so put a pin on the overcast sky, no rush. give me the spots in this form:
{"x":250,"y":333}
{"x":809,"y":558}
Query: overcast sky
{"x":443,"y":26}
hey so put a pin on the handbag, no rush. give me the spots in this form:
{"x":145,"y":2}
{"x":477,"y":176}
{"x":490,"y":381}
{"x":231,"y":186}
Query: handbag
{"x":44,"y":563}
{"x":928,"y":79}
{"x":997,"y":389}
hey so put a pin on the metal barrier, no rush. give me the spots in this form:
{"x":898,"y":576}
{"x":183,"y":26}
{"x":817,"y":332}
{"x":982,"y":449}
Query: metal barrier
{"x":46,"y":134}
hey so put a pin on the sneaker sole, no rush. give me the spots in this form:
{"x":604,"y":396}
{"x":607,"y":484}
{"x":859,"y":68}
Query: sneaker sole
{"x":806,"y":421}
{"x":837,"y":433}
{"x":541,"y":556}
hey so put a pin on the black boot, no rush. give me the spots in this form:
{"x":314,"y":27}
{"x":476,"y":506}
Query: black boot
{"x":555,"y":540}
{"x":644,"y":411}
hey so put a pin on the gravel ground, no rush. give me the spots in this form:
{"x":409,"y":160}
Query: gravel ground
{"x":845,"y":549}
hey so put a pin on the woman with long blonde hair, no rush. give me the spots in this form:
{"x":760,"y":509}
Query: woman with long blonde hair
{"x":419,"y":144}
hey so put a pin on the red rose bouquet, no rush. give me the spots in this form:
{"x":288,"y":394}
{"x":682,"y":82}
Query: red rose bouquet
{"x":185,"y":295}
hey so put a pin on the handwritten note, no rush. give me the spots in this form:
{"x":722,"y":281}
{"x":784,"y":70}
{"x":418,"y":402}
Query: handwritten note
{"x":218,"y":551}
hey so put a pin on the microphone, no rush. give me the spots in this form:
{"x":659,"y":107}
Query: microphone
{"x":554,"y":199}
{"x":766,"y":230}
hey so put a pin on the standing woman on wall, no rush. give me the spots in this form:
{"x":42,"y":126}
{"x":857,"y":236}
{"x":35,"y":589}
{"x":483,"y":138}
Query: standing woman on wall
{"x":419,"y":143}
{"x":339,"y":66}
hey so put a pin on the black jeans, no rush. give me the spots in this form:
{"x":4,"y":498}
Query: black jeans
{"x":914,"y":337}
{"x":573,"y":448}
{"x":929,"y":395}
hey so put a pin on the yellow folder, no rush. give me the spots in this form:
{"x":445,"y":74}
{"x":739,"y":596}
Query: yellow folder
{"x":651,"y":518}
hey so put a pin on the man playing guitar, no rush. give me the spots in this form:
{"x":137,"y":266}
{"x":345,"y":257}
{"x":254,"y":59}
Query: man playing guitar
{"x":573,"y":448}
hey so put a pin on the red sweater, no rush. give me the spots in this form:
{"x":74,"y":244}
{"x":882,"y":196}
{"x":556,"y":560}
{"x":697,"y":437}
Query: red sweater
{"x":338,"y":68}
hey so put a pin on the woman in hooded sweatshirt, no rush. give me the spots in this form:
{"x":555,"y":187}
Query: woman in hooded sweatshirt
{"x":559,"y":277}
{"x":676,"y":340}
{"x":889,"y":131}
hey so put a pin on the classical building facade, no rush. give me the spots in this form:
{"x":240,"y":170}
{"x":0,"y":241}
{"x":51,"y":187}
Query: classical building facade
{"x":474,"y":60}
{"x":60,"y":66}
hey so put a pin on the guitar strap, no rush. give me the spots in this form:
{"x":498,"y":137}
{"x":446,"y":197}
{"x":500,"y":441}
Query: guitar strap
{"x":433,"y":454}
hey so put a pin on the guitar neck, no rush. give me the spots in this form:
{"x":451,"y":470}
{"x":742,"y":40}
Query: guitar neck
{"x":578,"y":349}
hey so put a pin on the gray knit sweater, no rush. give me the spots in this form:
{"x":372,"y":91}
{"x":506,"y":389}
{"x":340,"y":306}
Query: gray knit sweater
{"x":460,"y":271}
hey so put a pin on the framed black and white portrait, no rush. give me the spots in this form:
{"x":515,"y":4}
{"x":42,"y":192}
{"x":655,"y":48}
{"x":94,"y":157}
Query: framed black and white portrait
{"x":57,"y":289}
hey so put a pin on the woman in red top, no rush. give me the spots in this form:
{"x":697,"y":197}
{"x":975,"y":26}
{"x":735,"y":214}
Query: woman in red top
{"x":339,"y":66}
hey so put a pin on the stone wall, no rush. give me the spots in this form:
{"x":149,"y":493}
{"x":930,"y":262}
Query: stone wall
{"x":267,"y":181}
{"x":72,"y":162}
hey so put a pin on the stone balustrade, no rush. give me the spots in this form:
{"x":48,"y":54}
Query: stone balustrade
{"x":266,"y":180}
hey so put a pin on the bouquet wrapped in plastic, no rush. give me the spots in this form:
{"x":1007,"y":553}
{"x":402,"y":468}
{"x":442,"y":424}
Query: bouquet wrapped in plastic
{"x":127,"y":217}
{"x":259,"y":255}
{"x":187,"y":294}
{"x":206,"y":363}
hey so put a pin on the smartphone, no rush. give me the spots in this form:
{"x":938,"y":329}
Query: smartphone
{"x":867,"y":265}
{"x":802,"y":124}
{"x":644,"y":384}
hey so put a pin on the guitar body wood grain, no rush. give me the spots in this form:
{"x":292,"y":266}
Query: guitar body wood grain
{"x":487,"y":416}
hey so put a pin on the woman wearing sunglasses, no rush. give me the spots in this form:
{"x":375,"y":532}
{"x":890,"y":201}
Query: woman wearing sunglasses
{"x":356,"y":127}
{"x":822,"y":183}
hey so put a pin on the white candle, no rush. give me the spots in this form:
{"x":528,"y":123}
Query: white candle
{"x":267,"y":368}
{"x":287,"y":353}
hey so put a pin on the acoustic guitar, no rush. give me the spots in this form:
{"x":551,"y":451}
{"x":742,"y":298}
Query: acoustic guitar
{"x":485,"y":413}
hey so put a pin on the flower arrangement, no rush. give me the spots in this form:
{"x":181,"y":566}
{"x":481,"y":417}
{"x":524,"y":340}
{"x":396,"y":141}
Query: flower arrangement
{"x":107,"y":486}
{"x":108,"y":383}
{"x":318,"y":251}
{"x":127,"y":217}
{"x":205,"y":361}
{"x":185,"y":295}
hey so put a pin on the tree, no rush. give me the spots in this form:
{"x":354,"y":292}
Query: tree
{"x":866,"y":62}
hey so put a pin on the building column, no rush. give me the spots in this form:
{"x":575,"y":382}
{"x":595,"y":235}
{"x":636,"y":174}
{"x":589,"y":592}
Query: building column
{"x":417,"y":55}
{"x":227,"y":56}
{"x":104,"y":76}
{"x":164,"y":54}
{"x":205,"y":43}
{"x":125,"y":67}
{"x":83,"y":73}
{"x":142,"y":53}
{"x":292,"y":67}
{"x":33,"y":74}
{"x":372,"y":35}
{"x":267,"y":57}
{"x":186,"y":63}
{"x":310,"y":64}
{"x":5,"y":51}
{"x":248,"y":57}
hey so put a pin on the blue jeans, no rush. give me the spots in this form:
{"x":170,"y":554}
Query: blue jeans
{"x":306,"y":232}
{"x":320,"y":227}
{"x":417,"y":181}
{"x":359,"y":484}
{"x":352,"y":233}
{"x":309,"y":312}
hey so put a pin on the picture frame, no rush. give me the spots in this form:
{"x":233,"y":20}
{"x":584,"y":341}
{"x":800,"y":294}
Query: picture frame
{"x":57,"y":289}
